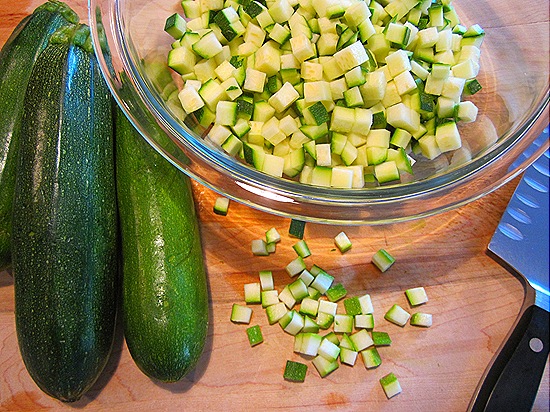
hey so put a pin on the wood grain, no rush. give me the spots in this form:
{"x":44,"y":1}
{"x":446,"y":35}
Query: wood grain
{"x":473,"y":301}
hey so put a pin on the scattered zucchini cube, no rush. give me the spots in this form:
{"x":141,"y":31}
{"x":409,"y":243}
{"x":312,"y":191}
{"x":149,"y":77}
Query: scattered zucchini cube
{"x":259,"y":247}
{"x":371,"y":358}
{"x":361,"y":340}
{"x":266,"y":280}
{"x":240,"y":314}
{"x":221,"y":206}
{"x":301,"y":248}
{"x":296,"y":266}
{"x":295,"y":371}
{"x":391,"y":385}
{"x":352,"y":306}
{"x":343,"y":323}
{"x":328,"y":350}
{"x":324,"y":366}
{"x":324,"y":320}
{"x":272,"y":236}
{"x":364,"y":321}
{"x":342,"y":242}
{"x":252,"y":293}
{"x":336,"y":292}
{"x":421,"y":319}
{"x":416,"y":296}
{"x":297,"y":228}
{"x":348,"y":356}
{"x":254,"y":334}
{"x":396,"y":314}
{"x":383,"y":260}
{"x":269,"y":297}
{"x":381,"y":338}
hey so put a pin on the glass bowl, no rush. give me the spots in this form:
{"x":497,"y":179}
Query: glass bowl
{"x":513,"y":111}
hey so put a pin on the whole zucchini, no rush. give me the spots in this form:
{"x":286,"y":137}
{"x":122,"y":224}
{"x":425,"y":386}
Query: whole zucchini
{"x":65,"y":223}
{"x":164,"y":288}
{"x":17,"y":58}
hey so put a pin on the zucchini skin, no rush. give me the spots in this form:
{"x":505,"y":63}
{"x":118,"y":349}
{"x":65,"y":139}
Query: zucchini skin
{"x":17,"y":58}
{"x":65,"y":224}
{"x":164,"y":286}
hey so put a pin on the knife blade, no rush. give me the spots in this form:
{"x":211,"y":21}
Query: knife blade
{"x":520,"y":244}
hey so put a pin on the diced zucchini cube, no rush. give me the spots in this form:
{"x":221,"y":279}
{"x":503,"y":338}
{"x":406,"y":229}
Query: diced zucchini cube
{"x":416,"y":296}
{"x":296,"y":266}
{"x":365,"y":302}
{"x":310,"y":325}
{"x":364,"y":321}
{"x":306,"y":277}
{"x":302,"y":48}
{"x":328,"y":307}
{"x":322,"y":282}
{"x":295,"y":371}
{"x":343,"y":323}
{"x":467,"y":112}
{"x":371,"y":357}
{"x":269,"y":297}
{"x":381,"y":338}
{"x":383,"y":260}
{"x":240,"y":313}
{"x":398,"y":62}
{"x":396,"y":314}
{"x":324,"y":320}
{"x":313,"y":293}
{"x":391,"y":385}
{"x":351,"y":56}
{"x":301,"y":248}
{"x":275,"y":312}
{"x":309,"y":306}
{"x":259,"y":247}
{"x":221,"y":205}
{"x":254,"y":334}
{"x":190,"y":100}
{"x":272,"y":236}
{"x":324,"y":366}
{"x":292,"y":322}
{"x":296,"y":229}
{"x":287,"y":297}
{"x":361,"y":340}
{"x":254,"y":80}
{"x":348,"y":356}
{"x":298,"y":289}
{"x":352,"y":306}
{"x":336,"y":292}
{"x":342,"y":242}
{"x":310,"y":343}
{"x":328,"y":350}
{"x":421,"y":319}
{"x":386,"y":171}
{"x":448,"y":137}
{"x":347,"y":343}
{"x":342,"y":177}
{"x":252,"y":293}
{"x":182,"y":60}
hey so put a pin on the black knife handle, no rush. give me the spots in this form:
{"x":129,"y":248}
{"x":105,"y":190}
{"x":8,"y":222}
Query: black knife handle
{"x":512,"y":382}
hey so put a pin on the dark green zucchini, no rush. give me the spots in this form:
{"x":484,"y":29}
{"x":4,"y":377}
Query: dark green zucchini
{"x":17,"y":58}
{"x":64,"y":234}
{"x":164,"y":287}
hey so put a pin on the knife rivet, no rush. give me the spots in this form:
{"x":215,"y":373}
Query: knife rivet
{"x":536,"y":345}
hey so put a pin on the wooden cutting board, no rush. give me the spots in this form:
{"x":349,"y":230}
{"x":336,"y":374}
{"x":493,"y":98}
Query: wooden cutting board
{"x":473,"y":301}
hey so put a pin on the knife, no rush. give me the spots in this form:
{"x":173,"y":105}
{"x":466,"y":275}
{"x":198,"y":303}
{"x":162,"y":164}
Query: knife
{"x":520,"y":244}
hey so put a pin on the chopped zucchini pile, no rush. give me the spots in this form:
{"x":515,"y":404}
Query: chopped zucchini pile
{"x":330,"y":326}
{"x":333,"y":93}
